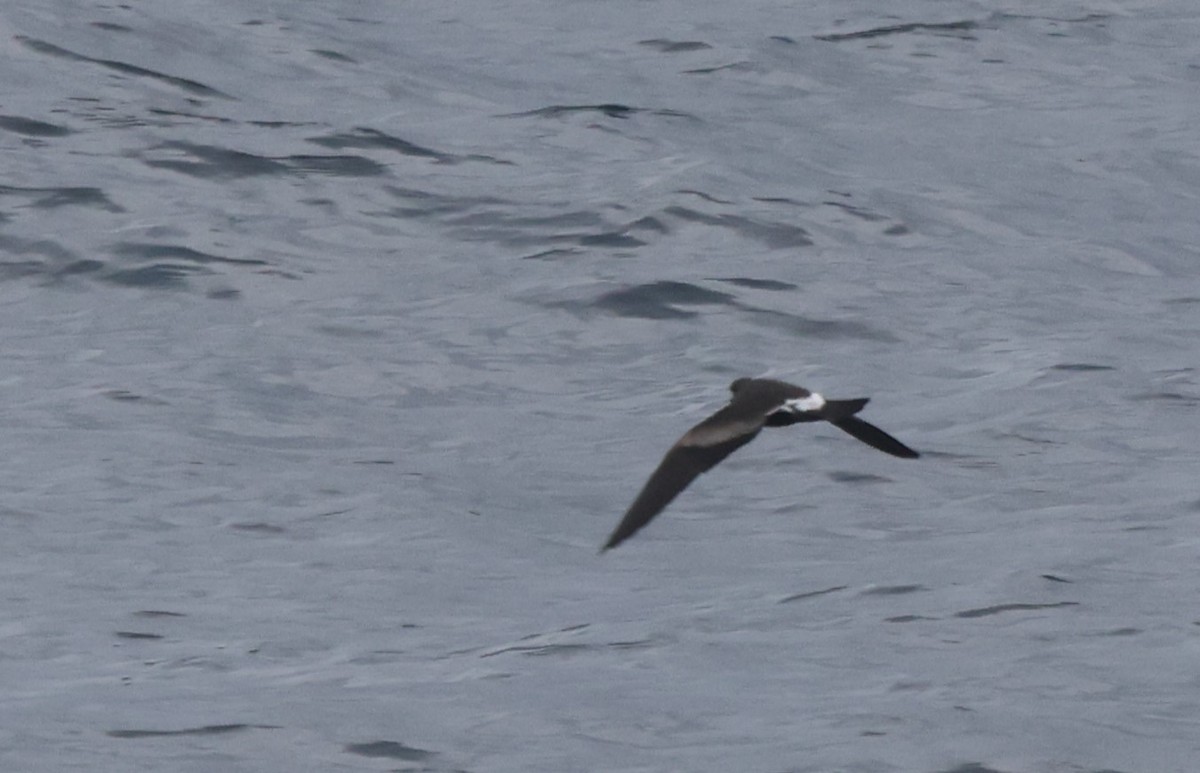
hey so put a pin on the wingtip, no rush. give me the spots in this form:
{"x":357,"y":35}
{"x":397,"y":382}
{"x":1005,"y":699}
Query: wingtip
{"x":902,"y":451}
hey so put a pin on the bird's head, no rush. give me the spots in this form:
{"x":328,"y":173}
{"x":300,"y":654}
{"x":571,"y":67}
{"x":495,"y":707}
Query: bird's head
{"x":739,"y":384}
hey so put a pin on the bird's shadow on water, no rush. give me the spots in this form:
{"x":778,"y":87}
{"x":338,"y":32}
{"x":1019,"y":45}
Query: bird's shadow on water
{"x":667,"y":300}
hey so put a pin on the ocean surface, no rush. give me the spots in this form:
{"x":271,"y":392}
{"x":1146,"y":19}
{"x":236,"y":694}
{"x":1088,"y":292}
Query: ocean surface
{"x":337,"y":336}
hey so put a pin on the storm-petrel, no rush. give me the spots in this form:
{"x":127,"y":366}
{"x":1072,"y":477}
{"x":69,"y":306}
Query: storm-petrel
{"x":756,"y":403}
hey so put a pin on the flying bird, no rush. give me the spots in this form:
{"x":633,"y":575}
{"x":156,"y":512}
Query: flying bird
{"x":756,"y":403}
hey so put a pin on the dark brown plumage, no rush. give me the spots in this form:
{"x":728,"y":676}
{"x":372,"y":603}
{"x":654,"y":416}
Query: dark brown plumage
{"x":756,"y":403}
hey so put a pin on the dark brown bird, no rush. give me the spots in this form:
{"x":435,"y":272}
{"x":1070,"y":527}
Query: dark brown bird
{"x":756,"y":403}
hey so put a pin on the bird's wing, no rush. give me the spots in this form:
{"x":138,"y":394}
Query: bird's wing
{"x":874,"y":437}
{"x":686,"y":461}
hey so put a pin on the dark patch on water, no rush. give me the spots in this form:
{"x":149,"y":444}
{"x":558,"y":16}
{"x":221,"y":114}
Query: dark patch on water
{"x":157,"y":613}
{"x":580,"y":218}
{"x":648,"y":223}
{"x":31,"y":128}
{"x":364,"y":138}
{"x":781,"y":200}
{"x":1081,"y":367}
{"x":907,"y":619}
{"x":1041,"y":441}
{"x":336,"y":166}
{"x":191,"y":115}
{"x":971,"y":767}
{"x":151,"y":251}
{"x":816,"y":328}
{"x":893,"y":590}
{"x":610,"y":239}
{"x":259,"y":527}
{"x":566,"y":650}
{"x":560,"y":252}
{"x":857,"y":477}
{"x":204,"y":730}
{"x":958,"y":29}
{"x":659,"y":300}
{"x":1122,"y":632}
{"x":334,"y":55}
{"x":79,"y":267}
{"x":1166,"y":397}
{"x":108,"y":26}
{"x":812,"y":594}
{"x":489,"y":219}
{"x":557,"y":648}
{"x":137,"y":635}
{"x":190,"y":86}
{"x":393,"y":750}
{"x":1087,"y":17}
{"x":53,"y":198}
{"x":703,"y":195}
{"x":859,"y":212}
{"x":213,"y":163}
{"x":757,"y":284}
{"x":279,"y":124}
{"x":1054,"y":578}
{"x":125,"y":396}
{"x":674,"y":46}
{"x":542,"y":649}
{"x":739,"y":66}
{"x":512,"y":230}
{"x":664,"y":299}
{"x":772,"y":234}
{"x":1001,"y":608}
{"x":612,"y":110}
{"x":609,"y":109}
{"x":57,"y":261}
{"x":209,"y":162}
{"x":436,"y":203}
{"x":161,"y":276}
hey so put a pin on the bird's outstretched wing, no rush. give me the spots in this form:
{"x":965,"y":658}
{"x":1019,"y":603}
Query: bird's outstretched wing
{"x":874,"y":437}
{"x":682,"y":465}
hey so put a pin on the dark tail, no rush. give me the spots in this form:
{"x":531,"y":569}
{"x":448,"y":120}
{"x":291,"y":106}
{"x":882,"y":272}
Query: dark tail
{"x":873,"y":436}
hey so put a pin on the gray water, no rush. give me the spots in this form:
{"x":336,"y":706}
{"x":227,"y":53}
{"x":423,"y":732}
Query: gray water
{"x":338,"y":335}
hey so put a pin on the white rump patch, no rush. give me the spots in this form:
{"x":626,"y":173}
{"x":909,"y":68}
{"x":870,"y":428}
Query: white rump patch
{"x":814,"y":402}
